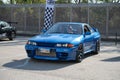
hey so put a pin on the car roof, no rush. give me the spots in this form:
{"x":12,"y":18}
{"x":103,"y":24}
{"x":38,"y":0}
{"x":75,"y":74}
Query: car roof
{"x":69,"y":22}
{"x":3,"y":22}
{"x":72,"y":23}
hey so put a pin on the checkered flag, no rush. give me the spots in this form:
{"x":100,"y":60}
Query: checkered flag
{"x":48,"y":18}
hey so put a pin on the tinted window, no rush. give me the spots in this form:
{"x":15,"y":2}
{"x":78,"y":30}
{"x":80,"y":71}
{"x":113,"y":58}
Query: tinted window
{"x":65,"y":29}
{"x":3,"y":24}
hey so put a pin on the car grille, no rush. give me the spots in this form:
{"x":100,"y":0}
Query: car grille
{"x":51,"y":54}
{"x":46,"y":44}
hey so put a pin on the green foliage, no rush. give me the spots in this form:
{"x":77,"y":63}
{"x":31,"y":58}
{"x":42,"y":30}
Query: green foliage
{"x":28,"y":1}
{"x":1,"y":2}
{"x":59,"y":1}
{"x":85,"y":1}
{"x":63,"y":1}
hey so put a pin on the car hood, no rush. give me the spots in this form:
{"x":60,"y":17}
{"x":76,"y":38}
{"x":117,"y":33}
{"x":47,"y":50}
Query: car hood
{"x":58,"y":38}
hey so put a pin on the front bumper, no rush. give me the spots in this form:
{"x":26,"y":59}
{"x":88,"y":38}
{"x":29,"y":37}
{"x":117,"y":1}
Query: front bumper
{"x":54,"y":54}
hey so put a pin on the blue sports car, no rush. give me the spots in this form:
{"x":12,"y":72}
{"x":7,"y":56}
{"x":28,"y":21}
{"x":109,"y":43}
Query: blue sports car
{"x":64,"y":41}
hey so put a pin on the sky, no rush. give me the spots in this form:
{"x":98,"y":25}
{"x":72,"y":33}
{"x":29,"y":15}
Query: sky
{"x":5,"y":1}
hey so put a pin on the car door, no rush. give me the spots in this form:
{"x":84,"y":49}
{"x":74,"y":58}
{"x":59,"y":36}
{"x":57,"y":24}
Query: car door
{"x":88,"y":39}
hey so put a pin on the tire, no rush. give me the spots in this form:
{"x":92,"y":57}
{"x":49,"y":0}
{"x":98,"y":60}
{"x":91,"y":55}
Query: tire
{"x":79,"y":54}
{"x":78,"y":58}
{"x":97,"y":47}
{"x":12,"y":35}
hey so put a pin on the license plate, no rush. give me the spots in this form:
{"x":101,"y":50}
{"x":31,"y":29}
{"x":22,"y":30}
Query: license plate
{"x":43,"y":50}
{"x":46,"y":52}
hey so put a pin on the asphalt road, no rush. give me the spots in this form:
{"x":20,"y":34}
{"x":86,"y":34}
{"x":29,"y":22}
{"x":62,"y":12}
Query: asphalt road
{"x":15,"y":65}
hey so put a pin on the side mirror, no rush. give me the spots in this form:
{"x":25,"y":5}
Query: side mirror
{"x":95,"y":29}
{"x":87,"y":33}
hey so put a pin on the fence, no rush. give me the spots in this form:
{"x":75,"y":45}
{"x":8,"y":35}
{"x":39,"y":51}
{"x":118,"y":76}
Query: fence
{"x":30,"y":18}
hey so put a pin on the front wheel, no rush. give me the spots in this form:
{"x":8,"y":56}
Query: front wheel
{"x":12,"y":35}
{"x":79,"y":54}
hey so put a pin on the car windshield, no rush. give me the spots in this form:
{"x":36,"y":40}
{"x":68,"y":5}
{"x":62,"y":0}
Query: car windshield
{"x":3,"y":24}
{"x":62,"y":28}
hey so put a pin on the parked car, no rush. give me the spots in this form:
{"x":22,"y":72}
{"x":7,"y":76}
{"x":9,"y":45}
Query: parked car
{"x":64,"y":41}
{"x":7,"y":31}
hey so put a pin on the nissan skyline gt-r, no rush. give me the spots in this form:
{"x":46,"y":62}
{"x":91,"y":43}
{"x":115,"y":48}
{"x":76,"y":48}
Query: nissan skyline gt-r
{"x":64,"y":41}
{"x":7,"y":31}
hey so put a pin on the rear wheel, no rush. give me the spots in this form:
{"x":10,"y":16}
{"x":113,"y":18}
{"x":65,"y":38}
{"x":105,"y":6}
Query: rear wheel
{"x":79,"y":54}
{"x":97,"y":47}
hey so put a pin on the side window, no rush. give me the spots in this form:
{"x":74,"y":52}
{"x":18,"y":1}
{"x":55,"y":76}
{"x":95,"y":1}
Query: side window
{"x":91,"y":29}
{"x":2,"y":25}
{"x":86,"y":29}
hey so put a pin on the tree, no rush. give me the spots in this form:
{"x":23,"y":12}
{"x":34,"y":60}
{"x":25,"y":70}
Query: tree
{"x":63,"y":1}
{"x":1,"y":2}
{"x":27,"y":1}
{"x":96,"y":1}
{"x":77,"y":1}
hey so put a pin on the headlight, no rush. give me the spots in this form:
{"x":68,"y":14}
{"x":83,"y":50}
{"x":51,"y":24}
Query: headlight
{"x":31,"y":43}
{"x":65,"y":45}
{"x":58,"y":45}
